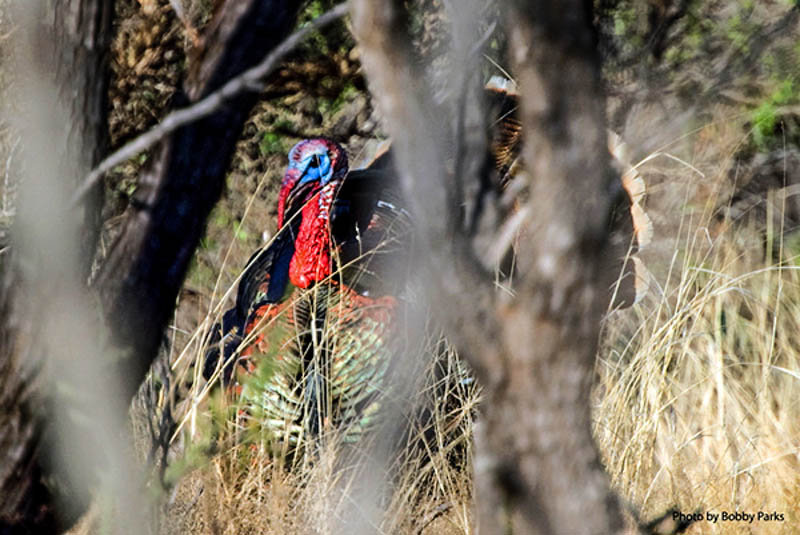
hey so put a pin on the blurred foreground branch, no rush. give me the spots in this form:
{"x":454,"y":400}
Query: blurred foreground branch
{"x":47,"y":345}
{"x":68,"y":421}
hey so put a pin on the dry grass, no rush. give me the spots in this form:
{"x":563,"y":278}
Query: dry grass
{"x":698,"y":389}
{"x":254,"y":486}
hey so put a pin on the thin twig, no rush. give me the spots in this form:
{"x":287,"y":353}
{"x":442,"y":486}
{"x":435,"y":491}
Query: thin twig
{"x":7,"y":208}
{"x":250,"y":80}
{"x":433,"y":515}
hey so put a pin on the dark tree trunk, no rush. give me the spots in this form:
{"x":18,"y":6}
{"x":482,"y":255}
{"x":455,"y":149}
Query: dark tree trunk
{"x":140,"y":280}
{"x":69,"y":42}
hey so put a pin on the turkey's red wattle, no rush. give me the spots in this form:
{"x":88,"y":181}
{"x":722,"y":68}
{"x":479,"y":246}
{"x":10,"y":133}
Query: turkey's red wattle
{"x":312,"y":261}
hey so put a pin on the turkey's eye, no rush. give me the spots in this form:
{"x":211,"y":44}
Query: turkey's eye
{"x":315,"y":162}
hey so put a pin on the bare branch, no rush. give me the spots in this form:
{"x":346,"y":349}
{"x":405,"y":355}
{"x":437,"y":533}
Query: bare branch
{"x":250,"y":80}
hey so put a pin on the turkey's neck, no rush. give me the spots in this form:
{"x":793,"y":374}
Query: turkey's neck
{"x":312,"y":257}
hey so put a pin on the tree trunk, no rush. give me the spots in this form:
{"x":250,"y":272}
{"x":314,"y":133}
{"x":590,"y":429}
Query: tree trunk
{"x":140,"y":280}
{"x":65,"y":48}
{"x":537,"y":421}
{"x":537,"y":468}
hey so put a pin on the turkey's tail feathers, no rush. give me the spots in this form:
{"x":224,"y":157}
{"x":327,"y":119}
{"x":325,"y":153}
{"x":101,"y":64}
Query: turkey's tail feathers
{"x":506,"y":135}
{"x":635,"y":186}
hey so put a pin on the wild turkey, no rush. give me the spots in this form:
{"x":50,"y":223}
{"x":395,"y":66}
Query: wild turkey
{"x":340,"y":235}
{"x":343,"y":240}
{"x":632,"y":224}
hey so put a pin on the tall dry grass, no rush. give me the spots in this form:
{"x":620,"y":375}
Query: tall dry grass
{"x":253,"y":483}
{"x":698,"y":388}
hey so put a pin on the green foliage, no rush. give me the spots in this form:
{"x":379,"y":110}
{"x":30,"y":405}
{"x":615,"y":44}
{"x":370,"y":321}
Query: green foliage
{"x":202,"y":275}
{"x":314,"y":9}
{"x":711,"y":38}
{"x":220,"y":217}
{"x":283,"y":124}
{"x":197,"y":455}
{"x":705,"y":38}
{"x":252,"y":392}
{"x":791,"y":244}
{"x":335,"y":39}
{"x":129,"y":188}
{"x":737,"y":31}
{"x":766,"y":116}
{"x":242,"y":234}
{"x":272,"y":143}
{"x":201,"y":448}
{"x":626,"y":24}
{"x":332,"y":106}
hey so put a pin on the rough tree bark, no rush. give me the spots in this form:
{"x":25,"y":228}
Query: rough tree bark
{"x":70,"y":43}
{"x":140,"y":279}
{"x":551,"y":330}
{"x":537,"y":467}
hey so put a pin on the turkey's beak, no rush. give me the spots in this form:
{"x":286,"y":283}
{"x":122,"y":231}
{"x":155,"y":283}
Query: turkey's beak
{"x":299,"y":192}
{"x":293,"y":187}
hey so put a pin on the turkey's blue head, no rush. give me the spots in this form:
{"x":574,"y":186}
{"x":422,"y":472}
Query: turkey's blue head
{"x":313,"y":164}
{"x":316,"y":168}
